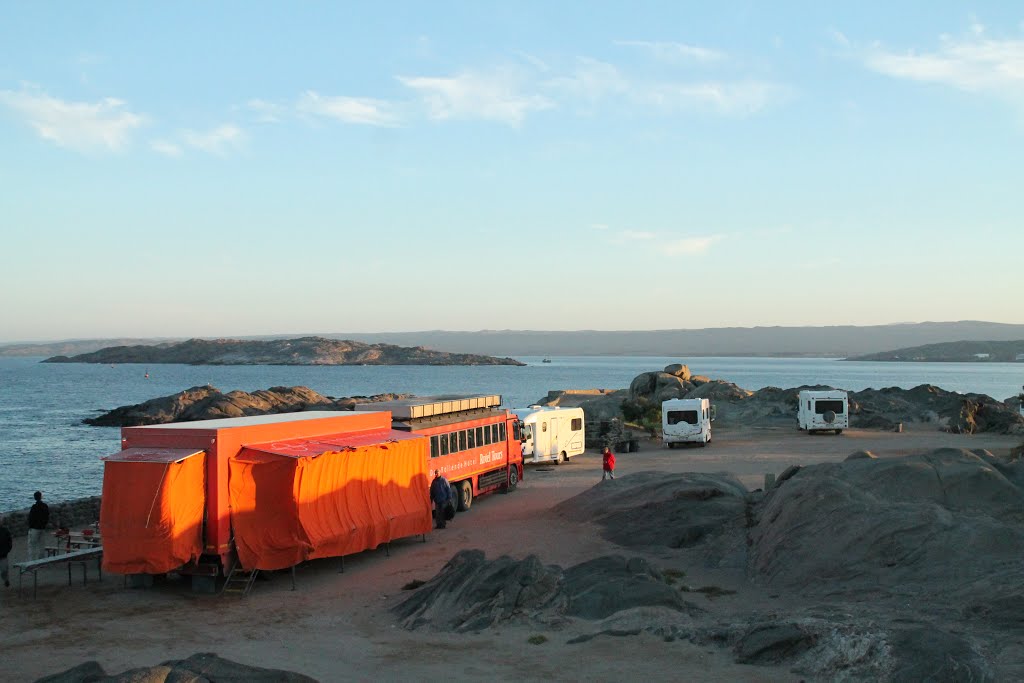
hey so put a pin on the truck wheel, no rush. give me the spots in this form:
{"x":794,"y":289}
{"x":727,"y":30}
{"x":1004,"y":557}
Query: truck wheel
{"x":513,"y":479}
{"x":838,"y":432}
{"x":465,"y":496}
{"x":456,"y":490}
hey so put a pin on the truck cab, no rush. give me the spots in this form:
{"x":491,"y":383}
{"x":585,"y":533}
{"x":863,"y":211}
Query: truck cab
{"x":686,"y":420}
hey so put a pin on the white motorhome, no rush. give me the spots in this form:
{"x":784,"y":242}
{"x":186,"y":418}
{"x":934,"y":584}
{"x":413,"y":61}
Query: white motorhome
{"x":822,"y":411}
{"x":686,"y":420}
{"x":551,"y":434}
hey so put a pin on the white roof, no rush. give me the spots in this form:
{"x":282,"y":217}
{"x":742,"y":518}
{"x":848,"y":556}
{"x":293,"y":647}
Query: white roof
{"x":231,"y":422}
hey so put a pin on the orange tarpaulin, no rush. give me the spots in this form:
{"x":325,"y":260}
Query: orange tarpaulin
{"x":326,"y":497}
{"x":151,"y":514}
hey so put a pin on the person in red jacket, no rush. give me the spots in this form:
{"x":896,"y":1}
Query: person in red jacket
{"x":609,"y":464}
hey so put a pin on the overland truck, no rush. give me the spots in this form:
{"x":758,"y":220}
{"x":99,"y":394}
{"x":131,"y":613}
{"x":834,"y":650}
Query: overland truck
{"x":686,"y":420}
{"x":551,"y":434}
{"x":823,"y":411}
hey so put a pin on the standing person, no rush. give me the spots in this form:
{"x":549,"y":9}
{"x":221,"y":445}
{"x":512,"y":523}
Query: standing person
{"x":608,"y":465}
{"x":440,"y":494}
{"x":6,"y":543}
{"x":38,"y":518}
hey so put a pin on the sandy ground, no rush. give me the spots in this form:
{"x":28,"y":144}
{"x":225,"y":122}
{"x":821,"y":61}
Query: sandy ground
{"x":338,"y":627}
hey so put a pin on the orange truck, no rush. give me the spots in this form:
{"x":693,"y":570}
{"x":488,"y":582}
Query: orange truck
{"x":269,"y":492}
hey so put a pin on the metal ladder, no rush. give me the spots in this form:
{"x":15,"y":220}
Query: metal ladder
{"x":239,"y":580}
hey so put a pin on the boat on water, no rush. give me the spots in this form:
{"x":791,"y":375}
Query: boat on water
{"x":546,"y":360}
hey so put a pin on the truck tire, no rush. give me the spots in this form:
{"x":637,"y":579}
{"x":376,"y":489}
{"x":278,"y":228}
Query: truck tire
{"x":465,"y":496}
{"x":513,"y":479}
{"x":838,"y":432}
{"x":456,"y":488}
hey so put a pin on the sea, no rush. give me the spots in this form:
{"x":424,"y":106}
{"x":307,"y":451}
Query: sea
{"x":44,"y":445}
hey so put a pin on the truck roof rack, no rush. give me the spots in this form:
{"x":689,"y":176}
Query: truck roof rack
{"x":433,"y":406}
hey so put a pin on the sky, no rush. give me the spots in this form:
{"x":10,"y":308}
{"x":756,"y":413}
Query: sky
{"x":243,"y":168}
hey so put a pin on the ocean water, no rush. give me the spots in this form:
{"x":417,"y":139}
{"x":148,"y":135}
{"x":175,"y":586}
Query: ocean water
{"x":44,"y":445}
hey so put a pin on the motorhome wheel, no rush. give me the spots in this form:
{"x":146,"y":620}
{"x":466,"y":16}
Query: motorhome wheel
{"x":565,"y":457}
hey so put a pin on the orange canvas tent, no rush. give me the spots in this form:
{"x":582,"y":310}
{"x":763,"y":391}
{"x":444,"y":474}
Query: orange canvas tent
{"x":151,"y":514}
{"x":328,"y":496}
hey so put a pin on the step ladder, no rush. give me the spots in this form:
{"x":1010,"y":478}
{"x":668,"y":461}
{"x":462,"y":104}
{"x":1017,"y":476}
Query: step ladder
{"x":239,"y":581}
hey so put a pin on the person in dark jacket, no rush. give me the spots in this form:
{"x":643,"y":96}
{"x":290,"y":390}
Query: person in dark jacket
{"x":38,"y":519}
{"x":440,"y":494}
{"x":608,"y":464}
{"x":6,"y":543}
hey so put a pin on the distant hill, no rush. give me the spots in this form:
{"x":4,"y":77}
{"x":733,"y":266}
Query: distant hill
{"x":303,"y":351}
{"x":958,"y":351}
{"x":836,"y":342}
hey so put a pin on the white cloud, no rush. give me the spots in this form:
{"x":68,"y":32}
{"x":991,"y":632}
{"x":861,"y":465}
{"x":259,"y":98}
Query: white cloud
{"x":219,"y":140}
{"x":636,"y":235}
{"x":675,"y":52}
{"x":592,"y":81}
{"x":361,"y":110}
{"x":974,"y":64}
{"x":83,"y":126}
{"x":599,"y":226}
{"x":690,"y":245}
{"x":499,"y":95}
{"x":266,"y":112}
{"x":168,"y":149}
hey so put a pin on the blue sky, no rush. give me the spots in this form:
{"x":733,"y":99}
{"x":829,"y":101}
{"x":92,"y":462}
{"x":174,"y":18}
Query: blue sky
{"x":218,"y":169}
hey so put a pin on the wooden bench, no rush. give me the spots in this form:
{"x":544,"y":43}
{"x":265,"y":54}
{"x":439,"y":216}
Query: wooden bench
{"x":74,"y":557}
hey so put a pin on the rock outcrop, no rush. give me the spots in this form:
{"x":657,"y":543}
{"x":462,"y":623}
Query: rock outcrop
{"x":204,"y":667}
{"x":208,"y":403}
{"x":302,"y":351}
{"x":772,"y":406}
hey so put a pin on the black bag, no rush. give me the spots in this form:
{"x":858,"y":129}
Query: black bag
{"x":449,"y":511}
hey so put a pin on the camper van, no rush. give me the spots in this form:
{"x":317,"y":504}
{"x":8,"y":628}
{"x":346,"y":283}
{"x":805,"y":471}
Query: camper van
{"x":823,"y":411}
{"x":686,"y":420}
{"x":551,"y":434}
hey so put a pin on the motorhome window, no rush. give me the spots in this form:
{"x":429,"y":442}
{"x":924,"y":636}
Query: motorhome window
{"x":479,"y":437}
{"x":487,"y":436}
{"x":677,"y":416}
{"x":501,"y":432}
{"x":433,"y":447}
{"x":494,"y":434}
{"x":470,"y":441}
{"x":576,"y":424}
{"x":444,"y":444}
{"x":462,"y":440}
{"x":821,"y":407}
{"x":453,"y":442}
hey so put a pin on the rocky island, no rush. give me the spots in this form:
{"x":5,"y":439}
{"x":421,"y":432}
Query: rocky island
{"x":953,"y":352}
{"x":301,"y":351}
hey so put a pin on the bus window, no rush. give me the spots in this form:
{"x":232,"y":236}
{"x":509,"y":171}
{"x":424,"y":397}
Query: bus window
{"x":433,"y":447}
{"x":444,"y":444}
{"x":453,"y":442}
{"x":576,"y":424}
{"x":479,"y":437}
{"x":462,"y":440}
{"x":487,"y":436}
{"x":494,"y":433}
{"x":470,"y":441}
{"x":501,"y":432}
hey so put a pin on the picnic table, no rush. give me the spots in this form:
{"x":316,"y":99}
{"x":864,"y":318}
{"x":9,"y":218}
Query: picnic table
{"x":66,"y":541}
{"x":80,"y":556}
